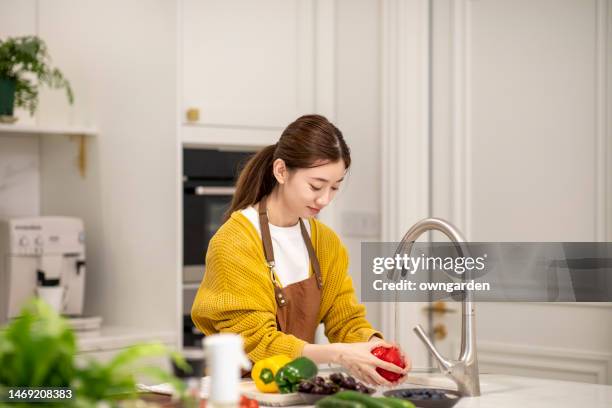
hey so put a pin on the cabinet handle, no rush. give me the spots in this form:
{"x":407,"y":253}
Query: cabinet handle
{"x":214,"y":191}
{"x":193,"y":115}
{"x":439,"y":307}
{"x":440,"y":331}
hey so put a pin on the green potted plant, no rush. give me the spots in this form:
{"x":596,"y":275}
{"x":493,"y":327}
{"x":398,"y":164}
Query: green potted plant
{"x":25,"y":64}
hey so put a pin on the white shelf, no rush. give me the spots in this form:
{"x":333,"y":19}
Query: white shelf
{"x":80,"y":134}
{"x":47,"y":130}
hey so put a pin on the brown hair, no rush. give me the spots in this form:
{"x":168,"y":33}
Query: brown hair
{"x":309,"y":139}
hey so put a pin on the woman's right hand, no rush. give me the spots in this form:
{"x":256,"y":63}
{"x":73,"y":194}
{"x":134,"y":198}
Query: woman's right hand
{"x":358,"y":360}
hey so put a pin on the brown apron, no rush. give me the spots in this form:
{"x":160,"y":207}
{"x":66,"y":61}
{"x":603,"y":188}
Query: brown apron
{"x":298,"y":304}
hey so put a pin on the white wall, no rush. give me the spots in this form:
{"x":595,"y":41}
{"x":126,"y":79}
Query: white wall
{"x":125,"y":75}
{"x":358,"y":117}
{"x":19,"y":163}
{"x":121,"y":60}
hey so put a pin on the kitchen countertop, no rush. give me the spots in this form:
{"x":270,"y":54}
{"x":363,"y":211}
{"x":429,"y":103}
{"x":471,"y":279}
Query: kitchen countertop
{"x":507,"y":391}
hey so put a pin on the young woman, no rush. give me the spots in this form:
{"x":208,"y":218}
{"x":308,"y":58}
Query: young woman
{"x":273,"y":272}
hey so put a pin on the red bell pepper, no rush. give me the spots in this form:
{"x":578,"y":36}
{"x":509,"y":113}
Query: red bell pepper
{"x":391,"y":355}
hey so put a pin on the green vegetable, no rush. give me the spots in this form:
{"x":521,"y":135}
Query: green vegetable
{"x":116,"y":379}
{"x":369,"y":402}
{"x":38,"y":349}
{"x":290,"y":375}
{"x":333,"y":402}
{"x":396,"y":402}
{"x":354,"y":399}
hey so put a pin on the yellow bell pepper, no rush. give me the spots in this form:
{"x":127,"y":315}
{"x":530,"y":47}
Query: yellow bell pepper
{"x":264,"y":371}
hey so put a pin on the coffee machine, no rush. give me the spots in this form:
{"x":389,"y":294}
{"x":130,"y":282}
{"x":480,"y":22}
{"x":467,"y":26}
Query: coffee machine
{"x":41,"y":253}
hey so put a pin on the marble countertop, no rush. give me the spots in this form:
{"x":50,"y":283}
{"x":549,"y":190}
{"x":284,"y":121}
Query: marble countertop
{"x":506,"y":391}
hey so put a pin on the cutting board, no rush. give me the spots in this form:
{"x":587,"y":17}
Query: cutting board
{"x":247,"y":388}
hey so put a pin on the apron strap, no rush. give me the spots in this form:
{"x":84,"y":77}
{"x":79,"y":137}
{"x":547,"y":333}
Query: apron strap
{"x":266,"y":239}
{"x":265,"y":232}
{"x":314,"y":261}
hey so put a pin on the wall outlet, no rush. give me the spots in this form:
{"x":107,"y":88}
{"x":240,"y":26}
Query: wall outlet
{"x":360,"y":224}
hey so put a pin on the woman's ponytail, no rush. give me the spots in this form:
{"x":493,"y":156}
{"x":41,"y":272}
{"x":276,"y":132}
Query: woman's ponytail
{"x":255,"y":181}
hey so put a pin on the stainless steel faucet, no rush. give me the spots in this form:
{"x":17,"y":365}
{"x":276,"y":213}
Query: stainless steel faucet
{"x":464,"y":371}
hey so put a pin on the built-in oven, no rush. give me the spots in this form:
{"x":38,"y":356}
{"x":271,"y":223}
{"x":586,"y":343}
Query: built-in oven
{"x":209,"y":177}
{"x":208,"y":187}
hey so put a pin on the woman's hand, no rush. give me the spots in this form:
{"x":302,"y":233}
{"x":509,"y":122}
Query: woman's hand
{"x":358,"y":359}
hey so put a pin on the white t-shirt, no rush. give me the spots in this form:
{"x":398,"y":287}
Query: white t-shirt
{"x":290,"y":252}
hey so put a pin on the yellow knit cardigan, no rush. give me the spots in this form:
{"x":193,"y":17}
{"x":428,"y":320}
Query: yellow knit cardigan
{"x":237,"y":296}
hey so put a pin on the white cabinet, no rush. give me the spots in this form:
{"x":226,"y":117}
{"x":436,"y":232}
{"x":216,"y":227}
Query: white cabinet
{"x":520,"y":156}
{"x":251,"y":68}
{"x":519,"y":98}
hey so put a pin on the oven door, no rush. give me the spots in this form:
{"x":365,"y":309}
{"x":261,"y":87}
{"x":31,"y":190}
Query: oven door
{"x":203,"y":209}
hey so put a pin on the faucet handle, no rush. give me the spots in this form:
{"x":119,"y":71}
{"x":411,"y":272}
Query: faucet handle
{"x":444,"y":364}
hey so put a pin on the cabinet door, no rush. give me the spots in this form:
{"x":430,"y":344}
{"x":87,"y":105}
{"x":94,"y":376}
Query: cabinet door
{"x":519,"y":156}
{"x":248,"y":63}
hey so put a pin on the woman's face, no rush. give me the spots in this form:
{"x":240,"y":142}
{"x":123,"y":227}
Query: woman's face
{"x":307,"y":191}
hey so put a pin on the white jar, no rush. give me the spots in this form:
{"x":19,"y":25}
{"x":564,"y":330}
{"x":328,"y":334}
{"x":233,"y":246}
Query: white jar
{"x":225,"y":358}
